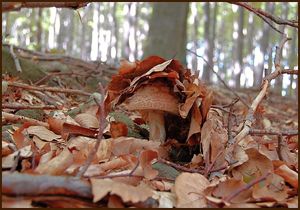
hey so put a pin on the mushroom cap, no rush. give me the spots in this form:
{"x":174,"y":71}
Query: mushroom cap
{"x":156,"y":96}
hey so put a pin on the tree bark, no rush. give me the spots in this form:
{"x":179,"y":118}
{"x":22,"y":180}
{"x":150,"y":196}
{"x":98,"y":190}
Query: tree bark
{"x":167,"y":31}
{"x":264,"y":45}
{"x":240,"y":47}
{"x":39,"y":30}
{"x":206,"y":70}
{"x":278,"y":80}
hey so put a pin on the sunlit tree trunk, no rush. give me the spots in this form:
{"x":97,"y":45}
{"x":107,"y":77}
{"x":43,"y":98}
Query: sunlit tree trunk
{"x":293,"y":60}
{"x":116,"y":31}
{"x":278,"y":80}
{"x":167,"y":31}
{"x":207,"y":22}
{"x":264,"y":45}
{"x":136,"y":26}
{"x":39,"y":30}
{"x":127,"y":28}
{"x":240,"y":47}
{"x":195,"y":38}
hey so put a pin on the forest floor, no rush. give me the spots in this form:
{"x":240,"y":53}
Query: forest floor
{"x":60,"y":147}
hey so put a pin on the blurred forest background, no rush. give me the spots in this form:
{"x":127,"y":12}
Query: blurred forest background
{"x":238,"y":44}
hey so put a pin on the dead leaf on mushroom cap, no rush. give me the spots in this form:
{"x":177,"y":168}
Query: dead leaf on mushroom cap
{"x":189,"y":188}
{"x":87,"y":120}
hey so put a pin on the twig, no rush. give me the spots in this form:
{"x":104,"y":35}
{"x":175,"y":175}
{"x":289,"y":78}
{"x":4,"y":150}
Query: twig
{"x":245,"y":187}
{"x":16,"y":118}
{"x":57,"y":74}
{"x":223,"y":167}
{"x":229,"y":119}
{"x":179,"y":167}
{"x":18,"y":184}
{"x":21,"y":106}
{"x":219,"y":77}
{"x":262,"y":13}
{"x":102,"y":123}
{"x":13,"y":6}
{"x":50,"y":89}
{"x":16,"y":60}
{"x":279,"y":142}
{"x":258,"y":132}
{"x":210,"y":166}
{"x":290,"y":71}
{"x":250,"y":118}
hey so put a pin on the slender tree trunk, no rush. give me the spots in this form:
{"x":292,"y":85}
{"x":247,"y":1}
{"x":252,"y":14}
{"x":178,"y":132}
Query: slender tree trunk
{"x":126,"y":46}
{"x":292,"y":60}
{"x":278,"y":80}
{"x":206,"y":71}
{"x":39,"y":30}
{"x":116,"y":31}
{"x":264,"y":45}
{"x":136,"y":26}
{"x":195,"y":35}
{"x":8,"y":24}
{"x":240,"y":46}
{"x":167,"y":31}
{"x":99,"y":30}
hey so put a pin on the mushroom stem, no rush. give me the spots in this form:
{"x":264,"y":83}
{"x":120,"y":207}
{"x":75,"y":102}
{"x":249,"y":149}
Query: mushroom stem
{"x":156,"y":124}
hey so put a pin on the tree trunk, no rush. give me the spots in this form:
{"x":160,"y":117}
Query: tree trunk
{"x":206,"y":71}
{"x":167,"y":31}
{"x":278,"y":80}
{"x":195,"y":35}
{"x":136,"y":26}
{"x":240,"y":47}
{"x":39,"y":30}
{"x":126,"y":46}
{"x":116,"y":31}
{"x":264,"y":44}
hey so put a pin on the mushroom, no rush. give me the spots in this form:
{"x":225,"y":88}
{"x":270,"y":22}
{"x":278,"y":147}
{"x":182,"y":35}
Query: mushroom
{"x":152,"y":101}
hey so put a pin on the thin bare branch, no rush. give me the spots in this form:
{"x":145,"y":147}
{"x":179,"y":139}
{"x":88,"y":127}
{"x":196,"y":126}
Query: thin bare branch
{"x":261,"y":13}
{"x":16,"y":118}
{"x":14,"y":6}
{"x":50,"y":89}
{"x":219,"y":77}
{"x":22,"y":106}
{"x":102,"y":123}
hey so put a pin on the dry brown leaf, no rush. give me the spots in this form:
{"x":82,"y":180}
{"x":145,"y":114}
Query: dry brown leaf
{"x":157,"y":68}
{"x":118,"y":129}
{"x":43,"y":133}
{"x":189,"y":189}
{"x":130,"y":145}
{"x":87,"y":120}
{"x":272,"y":189}
{"x":226,"y":188}
{"x":293,"y":202}
{"x":6,"y":148}
{"x":9,"y":160}
{"x":57,"y":165}
{"x":146,"y":158}
{"x":195,"y":126}
{"x":55,"y":125}
{"x":288,"y":175}
{"x":128,"y":193}
{"x":256,"y":166}
{"x":115,"y":201}
{"x":165,"y":199}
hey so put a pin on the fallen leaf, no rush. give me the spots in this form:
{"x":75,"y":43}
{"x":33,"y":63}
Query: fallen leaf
{"x":43,"y":133}
{"x":226,"y":188}
{"x":56,"y":125}
{"x":87,"y":120}
{"x":128,"y":193}
{"x":288,"y":175}
{"x":57,"y":165}
{"x":146,"y":157}
{"x":165,"y":199}
{"x":256,"y":166}
{"x":118,"y":129}
{"x":189,"y":189}
{"x":9,"y":160}
{"x":272,"y":189}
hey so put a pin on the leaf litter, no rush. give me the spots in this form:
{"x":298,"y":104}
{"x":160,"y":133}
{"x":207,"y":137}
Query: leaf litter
{"x":188,"y":169}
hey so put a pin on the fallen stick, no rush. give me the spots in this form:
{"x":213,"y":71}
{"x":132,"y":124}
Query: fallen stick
{"x":16,"y":118}
{"x":32,"y":185}
{"x":50,"y":89}
{"x":21,"y":106}
{"x":16,"y":60}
